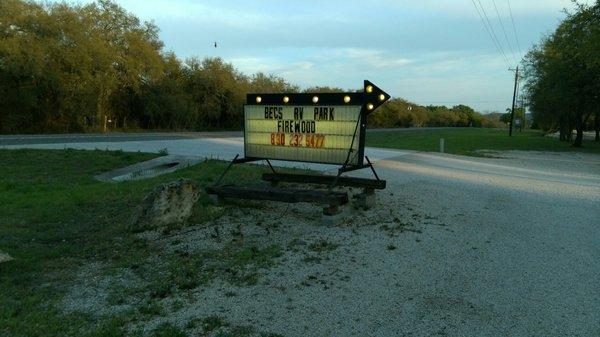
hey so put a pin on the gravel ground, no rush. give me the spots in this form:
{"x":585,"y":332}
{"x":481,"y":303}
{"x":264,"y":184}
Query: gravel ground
{"x":456,"y":246}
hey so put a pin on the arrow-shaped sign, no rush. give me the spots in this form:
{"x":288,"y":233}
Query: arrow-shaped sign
{"x":370,"y":99}
{"x":374,"y":97}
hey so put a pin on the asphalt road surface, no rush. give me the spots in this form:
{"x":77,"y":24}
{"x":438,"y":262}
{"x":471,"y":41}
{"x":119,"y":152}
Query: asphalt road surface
{"x":109,"y":137}
{"x":512,"y":247}
{"x":142,"y":136}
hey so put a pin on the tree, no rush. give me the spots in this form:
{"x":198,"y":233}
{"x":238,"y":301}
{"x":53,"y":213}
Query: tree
{"x":324,"y":89}
{"x":563,"y":74}
{"x":66,"y":68}
{"x":62,"y":63}
{"x":467,"y":116}
{"x":505,"y":118}
{"x":261,"y":82}
{"x":399,"y":113}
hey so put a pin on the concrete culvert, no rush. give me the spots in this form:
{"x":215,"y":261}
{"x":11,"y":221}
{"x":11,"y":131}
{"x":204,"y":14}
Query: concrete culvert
{"x":149,"y":169}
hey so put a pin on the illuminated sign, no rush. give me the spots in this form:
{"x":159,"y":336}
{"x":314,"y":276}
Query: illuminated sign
{"x":317,"y":127}
{"x":320,"y":134}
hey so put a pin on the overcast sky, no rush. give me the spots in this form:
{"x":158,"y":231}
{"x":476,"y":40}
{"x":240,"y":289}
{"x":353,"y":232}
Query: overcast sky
{"x":426,"y":51}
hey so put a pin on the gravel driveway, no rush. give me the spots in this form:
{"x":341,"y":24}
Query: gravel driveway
{"x":457,"y":246}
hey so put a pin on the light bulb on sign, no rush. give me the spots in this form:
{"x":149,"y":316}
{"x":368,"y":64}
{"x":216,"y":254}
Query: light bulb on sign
{"x":370,"y":106}
{"x":381,"y":97}
{"x":258,"y":99}
{"x":315,"y":99}
{"x":369,"y":89}
{"x":286,"y":99}
{"x":346,"y":99}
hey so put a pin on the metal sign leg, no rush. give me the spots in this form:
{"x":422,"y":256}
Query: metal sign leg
{"x":227,"y":169}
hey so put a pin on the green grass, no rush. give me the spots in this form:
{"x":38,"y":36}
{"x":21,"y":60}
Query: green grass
{"x":55,"y":218}
{"x":465,"y":141}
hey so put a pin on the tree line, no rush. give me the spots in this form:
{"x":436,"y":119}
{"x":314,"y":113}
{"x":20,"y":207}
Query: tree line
{"x":563,"y":76}
{"x":77,"y":68}
{"x":401,"y":113}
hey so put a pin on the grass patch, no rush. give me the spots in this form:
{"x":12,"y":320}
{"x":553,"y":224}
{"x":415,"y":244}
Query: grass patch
{"x":467,"y":141}
{"x":212,"y":323}
{"x":168,"y":330}
{"x":323,"y":246}
{"x":240,"y":266}
{"x":56,"y":218}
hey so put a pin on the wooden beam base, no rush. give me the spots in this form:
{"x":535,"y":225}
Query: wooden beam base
{"x":332,"y":199}
{"x":274,"y":178}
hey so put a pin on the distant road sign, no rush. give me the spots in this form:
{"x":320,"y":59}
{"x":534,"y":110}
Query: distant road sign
{"x":310,"y":127}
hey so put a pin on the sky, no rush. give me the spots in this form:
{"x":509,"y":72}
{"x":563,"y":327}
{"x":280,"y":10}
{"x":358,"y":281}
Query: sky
{"x":426,"y":51}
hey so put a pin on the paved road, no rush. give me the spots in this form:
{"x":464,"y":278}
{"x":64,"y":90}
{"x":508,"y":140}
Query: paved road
{"x":110,"y":137}
{"x":513,"y":248}
{"x":221,"y":145}
{"x":142,"y":136}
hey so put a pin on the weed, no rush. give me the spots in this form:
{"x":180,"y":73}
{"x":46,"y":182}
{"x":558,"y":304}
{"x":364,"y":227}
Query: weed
{"x":159,"y":289}
{"x":241,"y":331}
{"x":230,"y":294}
{"x":211,"y":323}
{"x":271,"y":334}
{"x":184,"y":272}
{"x":150,"y":308}
{"x":308,"y":258}
{"x":168,"y":330}
{"x":323,"y":246}
{"x":118,"y":295}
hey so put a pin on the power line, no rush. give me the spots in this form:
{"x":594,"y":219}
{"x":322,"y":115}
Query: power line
{"x":514,"y":27}
{"x":487,"y":19}
{"x":503,"y":30}
{"x":490,"y":33}
{"x":487,"y":29}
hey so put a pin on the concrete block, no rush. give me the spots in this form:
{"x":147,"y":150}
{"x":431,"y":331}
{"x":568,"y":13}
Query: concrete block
{"x":332,"y":219}
{"x":217,"y":200}
{"x":366,"y":199}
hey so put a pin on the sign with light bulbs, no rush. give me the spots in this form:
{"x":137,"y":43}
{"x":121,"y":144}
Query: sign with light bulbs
{"x":324,"y":128}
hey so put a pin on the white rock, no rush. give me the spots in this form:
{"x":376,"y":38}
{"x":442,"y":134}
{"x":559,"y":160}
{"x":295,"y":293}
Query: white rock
{"x":167,"y":204}
{"x":5,"y":257}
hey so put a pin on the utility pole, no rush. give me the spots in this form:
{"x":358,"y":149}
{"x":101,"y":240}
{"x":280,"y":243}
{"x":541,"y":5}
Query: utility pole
{"x":512,"y":111}
{"x":523,"y":117}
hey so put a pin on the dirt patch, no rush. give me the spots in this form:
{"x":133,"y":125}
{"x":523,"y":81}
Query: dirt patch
{"x":256,"y":268}
{"x":99,"y":290}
